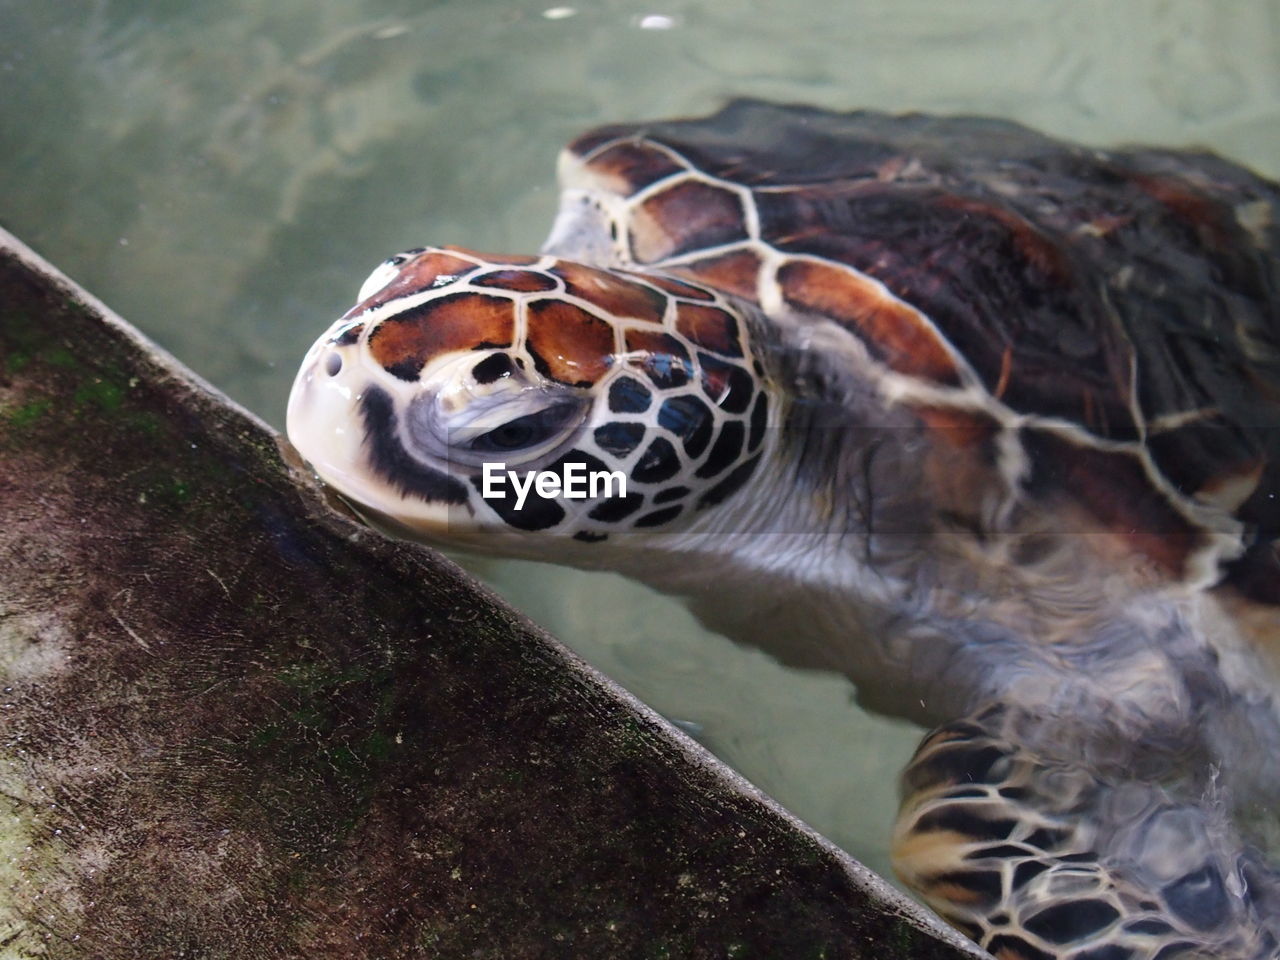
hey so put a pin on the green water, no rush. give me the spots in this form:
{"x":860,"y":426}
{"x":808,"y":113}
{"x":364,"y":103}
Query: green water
{"x":225,"y":174}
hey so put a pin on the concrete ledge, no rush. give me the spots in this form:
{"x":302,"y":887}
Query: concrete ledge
{"x":234,"y":723}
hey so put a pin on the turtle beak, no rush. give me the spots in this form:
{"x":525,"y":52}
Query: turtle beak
{"x":322,"y":421}
{"x":344,"y":421}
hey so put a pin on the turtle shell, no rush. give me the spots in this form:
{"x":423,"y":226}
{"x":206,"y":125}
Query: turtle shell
{"x":1118,"y":310}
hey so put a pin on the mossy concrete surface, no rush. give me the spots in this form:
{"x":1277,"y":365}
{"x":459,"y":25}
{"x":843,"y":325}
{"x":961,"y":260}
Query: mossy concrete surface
{"x":235,"y":723}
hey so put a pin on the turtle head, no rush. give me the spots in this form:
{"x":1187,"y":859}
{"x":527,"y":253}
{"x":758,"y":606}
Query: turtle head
{"x":480,"y":399}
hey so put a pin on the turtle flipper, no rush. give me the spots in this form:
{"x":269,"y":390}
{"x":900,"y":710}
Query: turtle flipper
{"x":1045,"y":860}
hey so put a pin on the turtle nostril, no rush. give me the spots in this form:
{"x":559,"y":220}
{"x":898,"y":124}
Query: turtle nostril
{"x":333,"y":364}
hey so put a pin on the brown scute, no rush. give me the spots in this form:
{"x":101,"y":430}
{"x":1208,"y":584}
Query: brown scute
{"x":654,"y":341}
{"x":958,"y":428}
{"x":583,"y":144}
{"x":735,"y":273}
{"x":517,"y":281}
{"x":726,"y":384}
{"x":1113,"y":487}
{"x":687,"y":216}
{"x":1206,"y":215}
{"x":990,"y":279}
{"x":715,"y":381}
{"x":1232,"y":486}
{"x":407,"y":341}
{"x":567,"y":343}
{"x":710,"y":328}
{"x":498,"y":259}
{"x":673,"y":286}
{"x":1210,"y":457}
{"x":661,"y":356}
{"x":959,"y":466}
{"x":1042,"y":252}
{"x":630,"y":166}
{"x":422,"y":272}
{"x":613,"y":294}
{"x":892,"y":331}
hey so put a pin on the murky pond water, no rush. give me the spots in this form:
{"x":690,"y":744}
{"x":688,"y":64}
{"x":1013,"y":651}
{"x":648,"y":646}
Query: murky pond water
{"x":226,"y":174}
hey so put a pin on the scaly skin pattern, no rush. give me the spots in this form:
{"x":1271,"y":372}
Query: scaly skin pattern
{"x":1037,"y":859}
{"x":531,"y":341}
{"x":988,"y":422}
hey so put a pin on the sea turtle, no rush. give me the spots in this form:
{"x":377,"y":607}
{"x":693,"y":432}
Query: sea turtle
{"x":985,"y":420}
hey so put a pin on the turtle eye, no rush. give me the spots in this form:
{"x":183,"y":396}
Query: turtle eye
{"x":523,"y":432}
